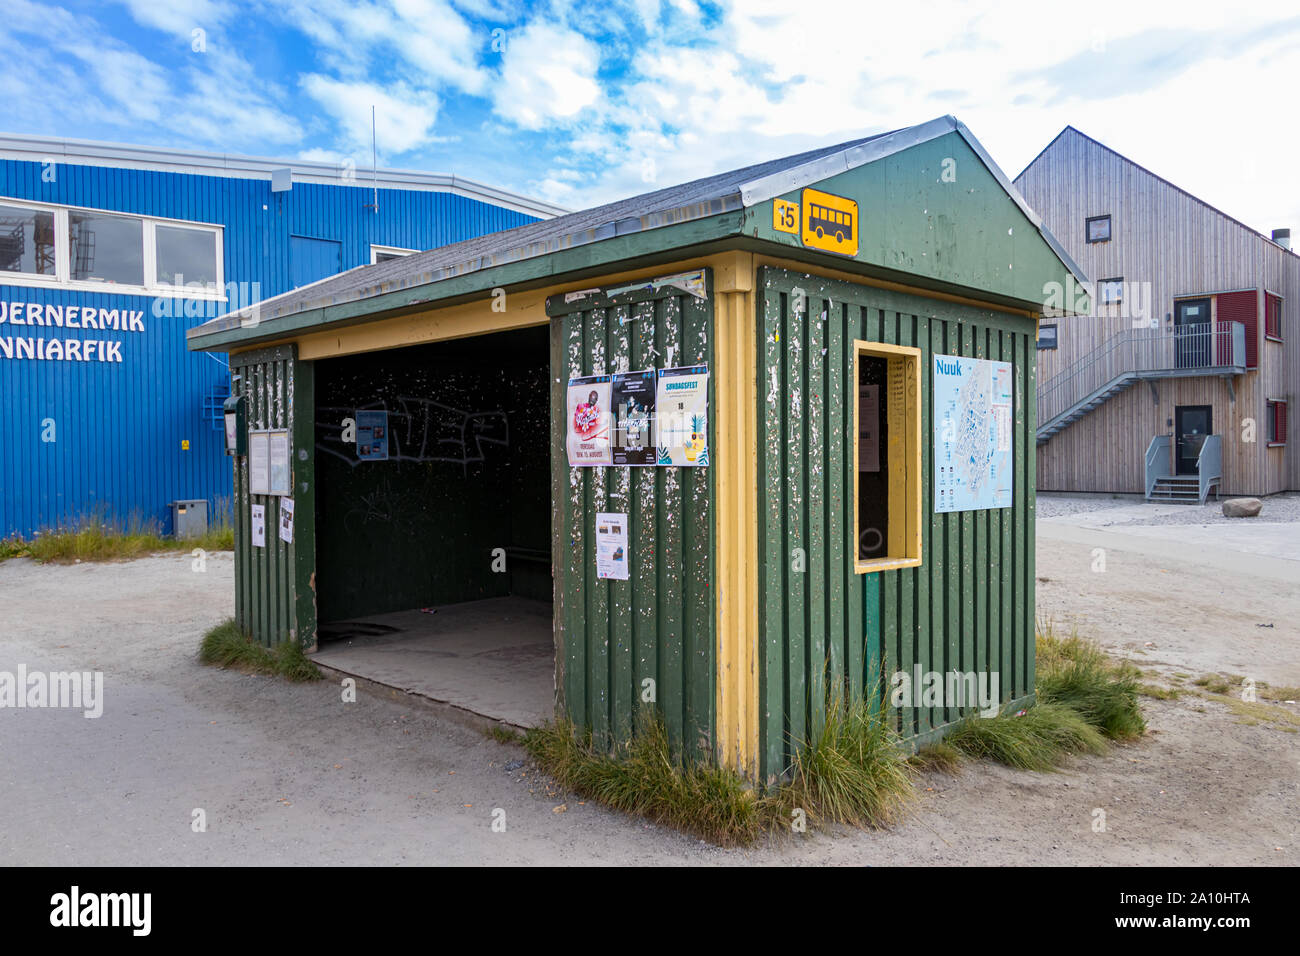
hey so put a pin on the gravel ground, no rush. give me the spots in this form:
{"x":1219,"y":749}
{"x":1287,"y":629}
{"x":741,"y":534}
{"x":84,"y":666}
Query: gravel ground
{"x":291,"y":774}
{"x":1134,"y":510}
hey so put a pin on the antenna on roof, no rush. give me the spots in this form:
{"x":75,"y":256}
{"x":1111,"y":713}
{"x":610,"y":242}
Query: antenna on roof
{"x":374,"y":162}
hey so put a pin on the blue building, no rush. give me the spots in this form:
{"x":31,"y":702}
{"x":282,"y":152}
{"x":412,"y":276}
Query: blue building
{"x":108,"y":253}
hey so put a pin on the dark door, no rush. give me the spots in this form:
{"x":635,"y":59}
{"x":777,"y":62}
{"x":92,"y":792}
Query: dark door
{"x":311,"y":260}
{"x":1192,"y":339}
{"x":1192,"y":424}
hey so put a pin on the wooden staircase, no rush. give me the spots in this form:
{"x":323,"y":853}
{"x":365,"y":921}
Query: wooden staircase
{"x":1177,"y":489}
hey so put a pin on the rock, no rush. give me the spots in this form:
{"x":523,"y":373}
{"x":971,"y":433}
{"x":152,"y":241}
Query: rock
{"x":1242,"y":507}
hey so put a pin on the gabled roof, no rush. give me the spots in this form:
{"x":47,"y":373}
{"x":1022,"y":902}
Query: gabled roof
{"x":85,"y":152}
{"x":711,"y":196}
{"x":1156,"y":176}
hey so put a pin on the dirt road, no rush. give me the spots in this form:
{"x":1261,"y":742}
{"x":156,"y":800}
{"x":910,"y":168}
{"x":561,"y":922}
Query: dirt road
{"x":289,"y":774}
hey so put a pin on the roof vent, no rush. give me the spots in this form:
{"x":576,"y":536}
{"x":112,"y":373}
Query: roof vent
{"x":1282,"y":237}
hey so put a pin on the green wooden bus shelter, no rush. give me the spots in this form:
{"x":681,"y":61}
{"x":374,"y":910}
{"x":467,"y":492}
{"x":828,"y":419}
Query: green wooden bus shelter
{"x":858,"y":513}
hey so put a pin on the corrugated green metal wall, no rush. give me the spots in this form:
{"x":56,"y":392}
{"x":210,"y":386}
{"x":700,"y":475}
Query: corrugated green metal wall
{"x":612,"y":636}
{"x":828,"y":630}
{"x":274,"y":597}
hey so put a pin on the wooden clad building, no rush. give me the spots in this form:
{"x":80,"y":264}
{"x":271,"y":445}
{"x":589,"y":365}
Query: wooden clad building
{"x":1177,"y":384}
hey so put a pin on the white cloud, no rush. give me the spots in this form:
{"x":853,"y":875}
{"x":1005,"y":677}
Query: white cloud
{"x":428,"y":42}
{"x":77,"y":71}
{"x":548,"y":76}
{"x":774,"y":78}
{"x":404,"y":117}
{"x":180,"y":17}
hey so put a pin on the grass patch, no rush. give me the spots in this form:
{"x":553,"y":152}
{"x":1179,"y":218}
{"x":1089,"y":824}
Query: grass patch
{"x":853,"y":772}
{"x":100,"y":539}
{"x":227,"y":645}
{"x":642,"y":777}
{"x":940,"y":755}
{"x":1041,"y":738}
{"x":504,"y":735}
{"x":1214,"y":683}
{"x":1268,"y":692}
{"x":1255,"y":712}
{"x":1077,"y":674}
{"x":1158,"y":692}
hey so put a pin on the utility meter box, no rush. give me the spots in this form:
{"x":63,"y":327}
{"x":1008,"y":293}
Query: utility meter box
{"x":189,"y":518}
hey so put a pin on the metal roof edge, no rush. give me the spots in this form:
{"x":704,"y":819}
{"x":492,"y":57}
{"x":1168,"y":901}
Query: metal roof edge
{"x":769,"y":187}
{"x":83,"y":152}
{"x":533,"y":252}
{"x":978,"y":148}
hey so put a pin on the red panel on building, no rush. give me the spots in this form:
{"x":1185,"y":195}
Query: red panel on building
{"x":1272,"y":316}
{"x":1243,"y":307}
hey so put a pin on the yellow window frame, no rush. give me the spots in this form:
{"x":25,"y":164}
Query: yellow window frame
{"x":903,"y":452}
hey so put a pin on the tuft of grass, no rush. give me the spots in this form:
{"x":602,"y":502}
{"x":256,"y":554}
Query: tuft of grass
{"x":1268,"y":692}
{"x":1038,"y":739}
{"x":940,"y":755}
{"x":854,"y":771}
{"x":1214,"y":683}
{"x":643,"y":777}
{"x":1077,"y":674}
{"x":227,"y":645}
{"x":504,"y":735}
{"x":1257,"y":712}
{"x":1158,"y":692}
{"x":97,"y":538}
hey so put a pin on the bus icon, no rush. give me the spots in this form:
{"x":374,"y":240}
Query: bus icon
{"x":830,"y":222}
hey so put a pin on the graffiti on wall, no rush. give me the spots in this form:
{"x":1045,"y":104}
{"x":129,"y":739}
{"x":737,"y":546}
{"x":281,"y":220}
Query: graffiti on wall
{"x":420,"y":430}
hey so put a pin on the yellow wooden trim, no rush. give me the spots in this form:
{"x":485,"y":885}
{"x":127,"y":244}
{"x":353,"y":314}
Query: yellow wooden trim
{"x":736,"y":464}
{"x":857,"y":279}
{"x":904,"y":454}
{"x":732,"y":271}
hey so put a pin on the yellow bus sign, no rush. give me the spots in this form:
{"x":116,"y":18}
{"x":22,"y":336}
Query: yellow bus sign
{"x":785,"y":216}
{"x":830,"y":222}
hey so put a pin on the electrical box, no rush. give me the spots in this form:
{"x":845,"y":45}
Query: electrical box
{"x":234,"y":410}
{"x":189,"y":518}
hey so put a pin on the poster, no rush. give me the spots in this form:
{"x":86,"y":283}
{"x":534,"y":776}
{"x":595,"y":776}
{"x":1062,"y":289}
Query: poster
{"x":590,"y":428}
{"x":611,"y":547}
{"x":259,"y":526}
{"x":232,"y":430}
{"x":278,"y":462}
{"x":633,"y":400}
{"x":869,"y":428}
{"x":372,"y":435}
{"x":682,"y":410}
{"x":286,"y":520}
{"x":259,"y":463}
{"x":973,"y":460}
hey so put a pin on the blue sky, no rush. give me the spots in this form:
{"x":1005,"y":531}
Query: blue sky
{"x":581,"y":102}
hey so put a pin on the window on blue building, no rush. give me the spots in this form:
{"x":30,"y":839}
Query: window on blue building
{"x":186,"y":256}
{"x":78,"y":248}
{"x":26,"y":240}
{"x":106,"y":248}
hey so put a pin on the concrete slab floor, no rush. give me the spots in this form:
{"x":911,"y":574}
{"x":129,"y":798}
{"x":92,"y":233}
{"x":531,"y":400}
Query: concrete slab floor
{"x":494,"y":657}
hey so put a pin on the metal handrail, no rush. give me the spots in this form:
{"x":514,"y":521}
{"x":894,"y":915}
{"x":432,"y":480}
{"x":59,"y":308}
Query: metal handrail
{"x":1160,"y":445}
{"x":1209,"y":465}
{"x":1218,"y":345}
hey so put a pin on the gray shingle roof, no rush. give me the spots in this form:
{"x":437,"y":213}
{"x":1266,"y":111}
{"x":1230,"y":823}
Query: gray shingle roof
{"x":710,"y":195}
